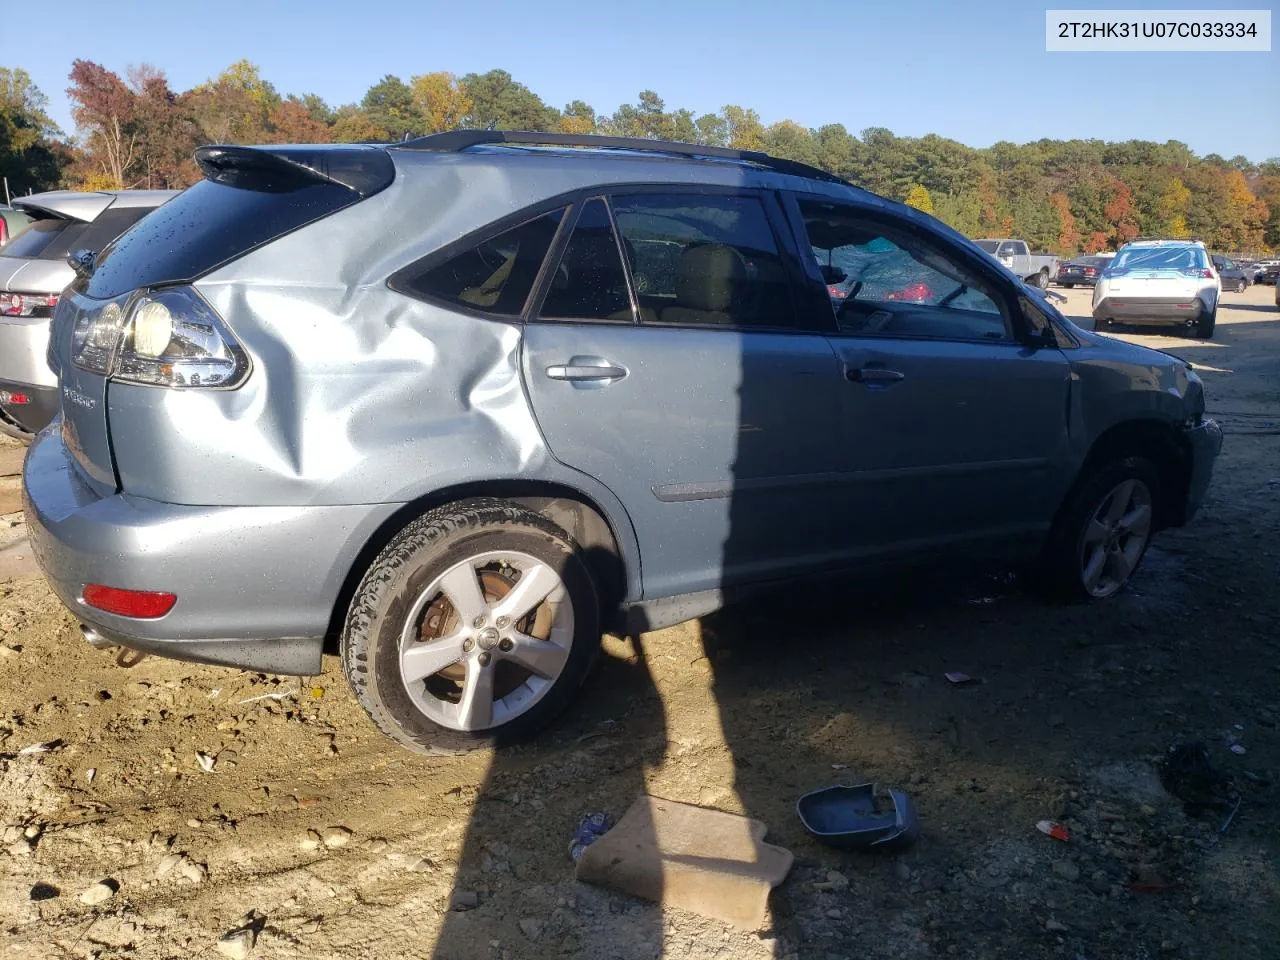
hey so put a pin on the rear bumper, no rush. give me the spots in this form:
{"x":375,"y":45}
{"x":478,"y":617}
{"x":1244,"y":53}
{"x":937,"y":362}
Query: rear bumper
{"x":24,"y":348}
{"x":256,"y":586}
{"x":24,"y":368}
{"x":1158,"y":311}
{"x":1076,"y":281}
{"x":1205,"y":443}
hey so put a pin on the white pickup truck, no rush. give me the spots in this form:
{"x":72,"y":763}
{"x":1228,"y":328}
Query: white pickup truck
{"x":1037,"y":268}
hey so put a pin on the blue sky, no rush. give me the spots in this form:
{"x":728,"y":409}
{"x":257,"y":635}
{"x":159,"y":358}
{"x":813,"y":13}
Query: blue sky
{"x":977,"y":71}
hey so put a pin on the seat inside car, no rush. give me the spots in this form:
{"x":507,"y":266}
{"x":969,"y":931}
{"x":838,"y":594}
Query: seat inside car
{"x":709,"y":283}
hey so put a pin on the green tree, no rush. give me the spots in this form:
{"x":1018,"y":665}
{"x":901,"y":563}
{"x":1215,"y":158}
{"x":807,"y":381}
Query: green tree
{"x":389,"y":106}
{"x":578,"y":117}
{"x":918,"y":197}
{"x":29,"y":157}
{"x":500,"y":103}
{"x":743,"y":129}
{"x":788,"y":139}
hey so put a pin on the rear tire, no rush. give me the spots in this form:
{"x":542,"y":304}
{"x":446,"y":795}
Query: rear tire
{"x":432,"y":655}
{"x":1205,"y":325}
{"x":1102,"y":532}
{"x":1042,"y":279}
{"x":1242,"y":286}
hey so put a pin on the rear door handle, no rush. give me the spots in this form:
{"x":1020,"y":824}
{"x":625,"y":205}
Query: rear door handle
{"x":873,"y":375}
{"x":587,"y":370}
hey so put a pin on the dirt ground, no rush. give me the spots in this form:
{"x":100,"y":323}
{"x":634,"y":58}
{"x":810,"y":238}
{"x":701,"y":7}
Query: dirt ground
{"x":743,"y":711}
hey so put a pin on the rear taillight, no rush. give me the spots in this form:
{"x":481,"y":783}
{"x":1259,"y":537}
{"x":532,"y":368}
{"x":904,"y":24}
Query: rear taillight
{"x":4,"y":232}
{"x":1090,"y":271}
{"x":14,"y":399}
{"x":170,"y":338}
{"x":1207,"y":273}
{"x":139,"y":604}
{"x":27,"y":304}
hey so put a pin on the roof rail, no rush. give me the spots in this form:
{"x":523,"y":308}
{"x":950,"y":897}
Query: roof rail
{"x":1169,"y":239}
{"x":455,"y":141}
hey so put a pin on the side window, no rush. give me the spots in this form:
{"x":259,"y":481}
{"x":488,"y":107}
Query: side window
{"x":704,"y":260}
{"x":1020,"y":248}
{"x":589,"y":283}
{"x":494,"y":275}
{"x":886,"y":281}
{"x":1008,"y":249}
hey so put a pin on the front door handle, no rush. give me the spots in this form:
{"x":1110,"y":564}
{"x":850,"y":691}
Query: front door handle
{"x":873,"y":375}
{"x":596,"y":370}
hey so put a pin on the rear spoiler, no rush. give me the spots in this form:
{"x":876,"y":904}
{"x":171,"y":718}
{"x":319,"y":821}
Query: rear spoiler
{"x":64,"y":204}
{"x":362,"y":170}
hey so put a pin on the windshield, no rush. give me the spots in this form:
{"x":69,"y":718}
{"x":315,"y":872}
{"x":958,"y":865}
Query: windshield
{"x":990,"y":246}
{"x":1169,"y":259}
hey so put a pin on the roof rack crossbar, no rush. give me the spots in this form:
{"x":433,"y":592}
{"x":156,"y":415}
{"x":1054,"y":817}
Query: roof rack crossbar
{"x":455,"y":141}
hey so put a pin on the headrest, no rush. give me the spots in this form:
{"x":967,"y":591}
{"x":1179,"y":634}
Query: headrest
{"x":709,"y":275}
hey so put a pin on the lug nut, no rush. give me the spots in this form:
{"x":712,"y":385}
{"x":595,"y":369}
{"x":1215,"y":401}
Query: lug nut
{"x":467,"y":645}
{"x":505,"y":645}
{"x":478,"y":622}
{"x":504,"y":621}
{"x":484,"y":658}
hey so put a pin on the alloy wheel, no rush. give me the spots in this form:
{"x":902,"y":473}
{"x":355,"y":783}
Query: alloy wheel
{"x":1115,"y":537}
{"x":486,"y":640}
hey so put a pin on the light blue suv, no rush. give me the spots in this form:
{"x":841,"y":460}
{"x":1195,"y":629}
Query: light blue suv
{"x":463,"y":403}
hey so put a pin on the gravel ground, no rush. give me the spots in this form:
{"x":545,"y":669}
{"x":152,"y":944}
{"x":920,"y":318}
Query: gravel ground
{"x":303,"y":833}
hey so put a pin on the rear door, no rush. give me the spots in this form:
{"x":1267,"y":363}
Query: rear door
{"x":683,"y":382}
{"x":950,"y":426}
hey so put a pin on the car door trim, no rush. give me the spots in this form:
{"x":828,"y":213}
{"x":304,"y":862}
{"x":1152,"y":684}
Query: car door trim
{"x":724,"y":489}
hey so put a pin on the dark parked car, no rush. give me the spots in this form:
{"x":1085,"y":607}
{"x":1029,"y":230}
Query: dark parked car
{"x":1082,"y":270}
{"x":1233,"y":276}
{"x":1270,"y":272}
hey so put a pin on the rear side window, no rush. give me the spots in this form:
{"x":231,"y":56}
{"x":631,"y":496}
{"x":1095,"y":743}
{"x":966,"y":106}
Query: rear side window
{"x":44,"y":239}
{"x":704,"y":260}
{"x":589,"y":283}
{"x":494,"y":275}
{"x":207,"y":225}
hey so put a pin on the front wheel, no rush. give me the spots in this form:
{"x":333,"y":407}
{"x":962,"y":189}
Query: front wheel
{"x":1102,"y":533}
{"x":474,"y":627}
{"x":1242,"y":286}
{"x":1042,"y":279}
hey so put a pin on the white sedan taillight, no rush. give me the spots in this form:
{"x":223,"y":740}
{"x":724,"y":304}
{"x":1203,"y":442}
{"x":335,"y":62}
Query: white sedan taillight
{"x":168,"y":338}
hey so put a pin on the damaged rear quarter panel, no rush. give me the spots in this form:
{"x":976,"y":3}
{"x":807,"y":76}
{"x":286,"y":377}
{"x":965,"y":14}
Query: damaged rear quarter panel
{"x":357,"y":394}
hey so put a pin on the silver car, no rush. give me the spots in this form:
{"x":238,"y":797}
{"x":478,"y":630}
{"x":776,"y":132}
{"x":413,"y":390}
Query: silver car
{"x":463,"y":403}
{"x":33,"y":272}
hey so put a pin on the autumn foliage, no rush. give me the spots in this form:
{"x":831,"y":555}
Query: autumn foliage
{"x":1068,"y":196}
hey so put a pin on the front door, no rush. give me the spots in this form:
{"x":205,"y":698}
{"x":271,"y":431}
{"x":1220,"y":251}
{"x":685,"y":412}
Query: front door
{"x":682,"y":383}
{"x":951,"y":427}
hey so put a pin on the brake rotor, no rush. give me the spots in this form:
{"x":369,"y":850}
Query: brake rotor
{"x":440,"y":619}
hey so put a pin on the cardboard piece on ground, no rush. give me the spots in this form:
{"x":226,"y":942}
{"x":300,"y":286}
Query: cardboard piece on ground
{"x":11,"y":460}
{"x":10,"y":500}
{"x":705,"y":861}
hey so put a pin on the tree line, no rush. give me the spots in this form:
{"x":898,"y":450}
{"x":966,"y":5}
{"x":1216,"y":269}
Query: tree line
{"x":1066,"y":196}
